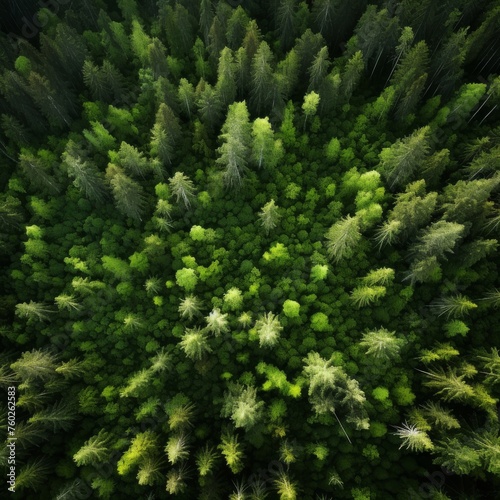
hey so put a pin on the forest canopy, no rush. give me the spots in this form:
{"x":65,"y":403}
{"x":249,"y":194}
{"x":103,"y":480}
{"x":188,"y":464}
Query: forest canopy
{"x":250,"y":249}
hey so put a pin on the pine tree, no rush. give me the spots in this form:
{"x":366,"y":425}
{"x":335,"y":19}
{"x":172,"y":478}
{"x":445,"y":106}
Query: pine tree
{"x":59,"y":417}
{"x":186,"y":97}
{"x":449,"y":385}
{"x":216,"y":39}
{"x":413,"y":208}
{"x":194,"y":343}
{"x":232,"y":451}
{"x":466,"y":200}
{"x":330,"y":389}
{"x":86,"y":176}
{"x":399,"y":162}
{"x":342,"y":237}
{"x":262,"y":80}
{"x":287,"y":490}
{"x":140,"y":42}
{"x":95,"y":450}
{"x":35,"y":364}
{"x":454,"y":306}
{"x":382,"y":345}
{"x":287,"y":22}
{"x":437,"y":239}
{"x":36,"y":171}
{"x":182,"y":188}
{"x":217,"y":322}
{"x":268,"y":329}
{"x":364,"y":295}
{"x":352,"y":75}
{"x":265,"y":150}
{"x":157,"y":56}
{"x":33,"y":475}
{"x":252,"y":39}
{"x":233,"y":299}
{"x":287,"y":74}
{"x":205,"y":460}
{"x":33,"y":311}
{"x":324,"y":14}
{"x":48,"y":101}
{"x":226,"y":81}
{"x":237,"y":27}
{"x":136,"y":383}
{"x":128,"y":194}
{"x":307,"y":46}
{"x":310,"y":105}
{"x":177,"y":448}
{"x":165,"y":134}
{"x":72,"y":369}
{"x":189,"y":307}
{"x":131,"y":159}
{"x":179,"y":30}
{"x":180,"y":413}
{"x":236,"y":140}
{"x":269,"y":216}
{"x":143,"y":445}
{"x":241,"y":405}
{"x":413,"y":438}
{"x":318,"y":70}
{"x":150,"y":471}
{"x":446,"y":68}
{"x":206,"y":18}
{"x":376,"y":33}
{"x":209,"y":105}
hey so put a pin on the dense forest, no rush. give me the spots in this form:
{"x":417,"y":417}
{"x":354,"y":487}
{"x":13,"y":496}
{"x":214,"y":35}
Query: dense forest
{"x":250,"y":249}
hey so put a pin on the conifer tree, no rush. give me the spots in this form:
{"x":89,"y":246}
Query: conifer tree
{"x":195,"y":344}
{"x":262,"y":80}
{"x":165,"y":133}
{"x":226,"y":81}
{"x":236,"y":140}
{"x":237,"y":27}
{"x":33,"y":474}
{"x":37,"y":172}
{"x":217,"y":322}
{"x":209,"y":105}
{"x":287,"y":74}
{"x":342,"y":237}
{"x":232,"y":451}
{"x":268,"y":329}
{"x":86,"y":177}
{"x":382,"y":345}
{"x":310,"y":105}
{"x":157,"y":56}
{"x":206,"y":18}
{"x":179,"y":30}
{"x":59,"y":417}
{"x":324,"y":14}
{"x":265,"y":150}
{"x":413,"y":438}
{"x":240,"y":403}
{"x":182,"y":188}
{"x":190,"y":307}
{"x":94,"y":450}
{"x":399,"y":162}
{"x":186,"y":97}
{"x":352,"y":75}
{"x":286,"y":22}
{"x":128,"y":194}
{"x":33,"y":311}
{"x":318,"y":70}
